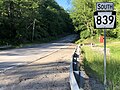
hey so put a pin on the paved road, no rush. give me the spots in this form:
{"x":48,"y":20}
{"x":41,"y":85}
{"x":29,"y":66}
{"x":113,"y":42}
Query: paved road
{"x":37,"y":67}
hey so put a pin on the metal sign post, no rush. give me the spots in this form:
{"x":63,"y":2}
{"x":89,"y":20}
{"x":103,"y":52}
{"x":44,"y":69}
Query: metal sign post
{"x":105,"y":84}
{"x":105,"y":18}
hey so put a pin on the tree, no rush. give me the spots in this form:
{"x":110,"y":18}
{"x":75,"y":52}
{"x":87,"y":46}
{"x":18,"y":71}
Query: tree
{"x":82,"y":15}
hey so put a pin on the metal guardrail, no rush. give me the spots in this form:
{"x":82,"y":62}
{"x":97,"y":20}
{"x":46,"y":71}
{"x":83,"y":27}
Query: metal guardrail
{"x":75,"y":78}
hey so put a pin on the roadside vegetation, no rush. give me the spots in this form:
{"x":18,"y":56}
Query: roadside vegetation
{"x":83,"y":21}
{"x":93,"y":61}
{"x":26,"y":21}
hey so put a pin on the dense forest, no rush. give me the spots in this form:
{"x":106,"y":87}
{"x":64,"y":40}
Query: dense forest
{"x":82,"y":15}
{"x":24,"y":21}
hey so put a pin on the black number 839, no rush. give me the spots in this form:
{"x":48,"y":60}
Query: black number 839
{"x":105,"y":19}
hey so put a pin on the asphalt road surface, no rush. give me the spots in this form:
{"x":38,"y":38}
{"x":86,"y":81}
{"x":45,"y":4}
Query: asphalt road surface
{"x":37,"y":67}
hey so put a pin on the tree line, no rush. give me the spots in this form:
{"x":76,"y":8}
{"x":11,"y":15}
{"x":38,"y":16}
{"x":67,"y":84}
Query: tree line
{"x":23,"y":21}
{"x":83,"y":18}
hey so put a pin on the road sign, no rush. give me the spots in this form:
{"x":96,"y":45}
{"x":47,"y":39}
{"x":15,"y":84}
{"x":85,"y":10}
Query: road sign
{"x":104,"y":19}
{"x":104,"y":6}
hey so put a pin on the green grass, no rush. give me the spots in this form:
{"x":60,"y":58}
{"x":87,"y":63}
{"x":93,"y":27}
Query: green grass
{"x":94,"y":39}
{"x":114,"y":65}
{"x":93,"y":62}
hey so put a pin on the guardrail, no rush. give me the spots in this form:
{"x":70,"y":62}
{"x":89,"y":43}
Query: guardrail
{"x":75,"y":74}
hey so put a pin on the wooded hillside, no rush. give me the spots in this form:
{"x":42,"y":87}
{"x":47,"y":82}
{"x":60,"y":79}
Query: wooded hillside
{"x":24,"y":21}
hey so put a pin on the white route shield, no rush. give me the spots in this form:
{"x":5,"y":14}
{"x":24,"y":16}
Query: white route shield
{"x":104,"y":19}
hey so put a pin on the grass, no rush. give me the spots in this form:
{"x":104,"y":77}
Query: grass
{"x":88,"y":40}
{"x":93,"y":61}
{"x":114,"y":65}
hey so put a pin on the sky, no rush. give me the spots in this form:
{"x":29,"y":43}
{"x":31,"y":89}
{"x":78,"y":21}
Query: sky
{"x":64,"y":3}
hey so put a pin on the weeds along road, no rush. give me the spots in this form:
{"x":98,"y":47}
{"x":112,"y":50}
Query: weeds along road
{"x":37,"y":67}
